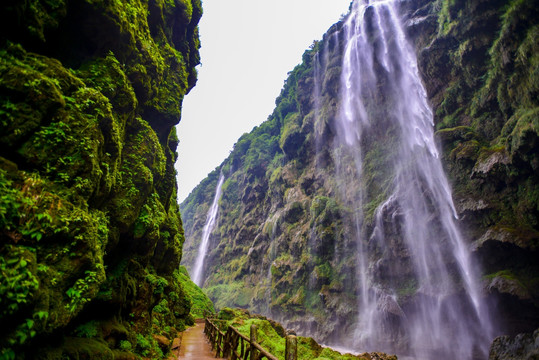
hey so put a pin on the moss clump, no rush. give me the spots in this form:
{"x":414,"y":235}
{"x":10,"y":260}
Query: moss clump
{"x":291,"y":137}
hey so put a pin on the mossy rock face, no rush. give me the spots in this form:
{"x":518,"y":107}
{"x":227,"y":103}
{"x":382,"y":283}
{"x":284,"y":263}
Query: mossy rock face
{"x":91,"y":236}
{"x":521,"y":346}
{"x":486,"y":116}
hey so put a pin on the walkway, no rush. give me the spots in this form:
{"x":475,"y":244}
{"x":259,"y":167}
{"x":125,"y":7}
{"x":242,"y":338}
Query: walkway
{"x":194,"y":344}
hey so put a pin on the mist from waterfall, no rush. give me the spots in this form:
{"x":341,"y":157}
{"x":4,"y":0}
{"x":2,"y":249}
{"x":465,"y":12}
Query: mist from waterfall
{"x":211,"y":220}
{"x":381,"y":92}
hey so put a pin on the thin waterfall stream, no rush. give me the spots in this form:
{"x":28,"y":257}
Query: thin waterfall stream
{"x":382,"y":97}
{"x":211,"y":221}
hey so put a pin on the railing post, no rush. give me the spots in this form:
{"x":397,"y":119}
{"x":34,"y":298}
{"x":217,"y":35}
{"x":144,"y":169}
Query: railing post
{"x":253,"y":340}
{"x":219,"y":344}
{"x":291,"y":348}
{"x":225,"y":344}
{"x":229,"y":344}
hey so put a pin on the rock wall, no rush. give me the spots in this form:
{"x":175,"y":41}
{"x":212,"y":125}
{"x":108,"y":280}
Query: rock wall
{"x":521,"y":346}
{"x":480,"y":70}
{"x":282,"y":246}
{"x":91,"y":237}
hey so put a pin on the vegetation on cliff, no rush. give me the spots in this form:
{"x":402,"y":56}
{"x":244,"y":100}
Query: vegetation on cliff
{"x":282,"y":247}
{"x":91,"y":238}
{"x":484,"y":87}
{"x":201,"y":305}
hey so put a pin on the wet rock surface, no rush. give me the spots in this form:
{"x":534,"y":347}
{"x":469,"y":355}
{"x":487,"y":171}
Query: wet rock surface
{"x":520,"y":347}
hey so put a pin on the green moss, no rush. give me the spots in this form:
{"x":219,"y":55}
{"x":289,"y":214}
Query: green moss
{"x":151,"y":219}
{"x":201,"y":305}
{"x":18,"y":287}
{"x":42,"y":15}
{"x":455,"y":133}
{"x":323,"y":271}
{"x":291,"y":138}
{"x":232,"y":293}
{"x":271,"y":336}
{"x":525,"y":130}
{"x":451,"y":101}
{"x":87,"y":330}
{"x":87,"y":185}
{"x":510,"y":76}
{"x":87,"y":348}
{"x":508,"y":274}
{"x":446,"y":16}
{"x":523,"y":277}
{"x":108,"y":76}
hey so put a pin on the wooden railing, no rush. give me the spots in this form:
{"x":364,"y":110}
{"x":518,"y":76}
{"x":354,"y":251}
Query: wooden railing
{"x":235,"y":346}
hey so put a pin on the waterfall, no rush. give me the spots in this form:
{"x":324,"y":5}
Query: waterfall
{"x":413,"y":248}
{"x":211,"y":220}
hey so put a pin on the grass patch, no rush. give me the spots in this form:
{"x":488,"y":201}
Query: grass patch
{"x":271,"y":336}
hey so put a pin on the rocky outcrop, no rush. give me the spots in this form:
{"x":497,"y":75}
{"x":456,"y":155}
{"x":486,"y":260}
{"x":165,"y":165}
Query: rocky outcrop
{"x":520,"y":347}
{"x":91,"y":238}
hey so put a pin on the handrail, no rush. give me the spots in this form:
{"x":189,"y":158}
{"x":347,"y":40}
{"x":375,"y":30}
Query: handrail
{"x":234,"y":345}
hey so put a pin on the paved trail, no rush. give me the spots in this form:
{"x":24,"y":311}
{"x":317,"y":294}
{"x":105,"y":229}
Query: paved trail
{"x":194,"y":344}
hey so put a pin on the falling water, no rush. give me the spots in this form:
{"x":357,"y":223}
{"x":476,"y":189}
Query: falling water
{"x":381,"y":92}
{"x":211,"y":220}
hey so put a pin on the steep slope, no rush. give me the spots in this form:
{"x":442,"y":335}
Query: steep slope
{"x":91,"y":238}
{"x":285,"y":244}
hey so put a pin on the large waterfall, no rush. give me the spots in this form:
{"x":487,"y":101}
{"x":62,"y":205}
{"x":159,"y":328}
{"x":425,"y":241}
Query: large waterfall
{"x":413,"y":248}
{"x":211,"y":220}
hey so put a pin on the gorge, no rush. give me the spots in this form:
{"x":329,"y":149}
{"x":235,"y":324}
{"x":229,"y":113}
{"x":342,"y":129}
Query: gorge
{"x":390,"y":202}
{"x":337,"y":217}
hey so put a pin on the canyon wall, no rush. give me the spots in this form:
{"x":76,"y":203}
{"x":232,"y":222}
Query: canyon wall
{"x":91,"y":238}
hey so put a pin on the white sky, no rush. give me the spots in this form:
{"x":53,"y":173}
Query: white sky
{"x":248,"y":47}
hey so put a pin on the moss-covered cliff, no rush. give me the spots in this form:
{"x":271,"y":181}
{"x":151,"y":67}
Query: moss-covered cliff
{"x":284,"y":245}
{"x":481,"y":72}
{"x":91,"y":238}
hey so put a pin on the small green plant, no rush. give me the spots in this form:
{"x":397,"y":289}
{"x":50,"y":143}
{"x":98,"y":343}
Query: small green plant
{"x":143,"y":345}
{"x":17,"y":282}
{"x":125,"y":345}
{"x":9,"y":201}
{"x":7,"y":108}
{"x":87,"y":330}
{"x":158,"y":282}
{"x":7,"y":354}
{"x":22,"y":333}
{"x":78,"y":292}
{"x":41,"y":315}
{"x":162,"y":307}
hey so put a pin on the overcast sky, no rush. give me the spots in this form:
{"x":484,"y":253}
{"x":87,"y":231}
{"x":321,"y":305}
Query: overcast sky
{"x":248,"y":47}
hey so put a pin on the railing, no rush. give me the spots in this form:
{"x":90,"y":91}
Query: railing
{"x":235,"y":346}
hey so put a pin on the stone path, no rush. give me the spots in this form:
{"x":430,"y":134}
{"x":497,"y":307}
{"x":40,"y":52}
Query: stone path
{"x":194,"y":344}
